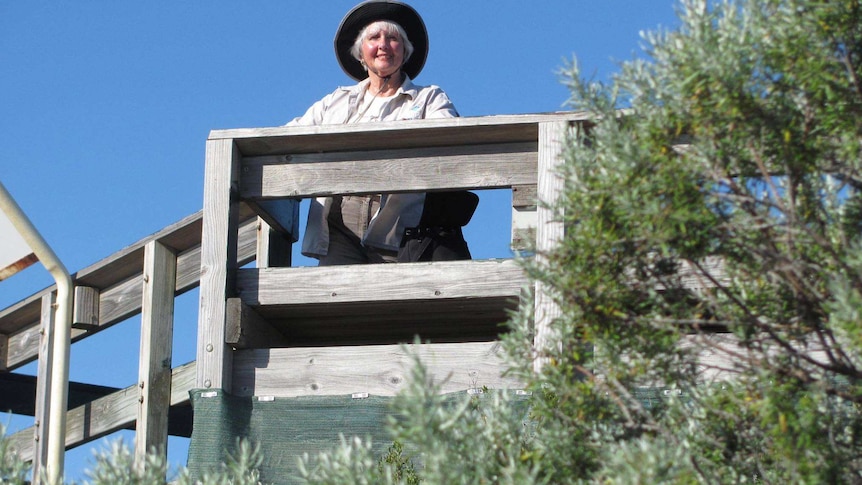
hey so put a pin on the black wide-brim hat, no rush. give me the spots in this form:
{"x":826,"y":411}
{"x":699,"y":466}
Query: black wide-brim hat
{"x":372,"y":11}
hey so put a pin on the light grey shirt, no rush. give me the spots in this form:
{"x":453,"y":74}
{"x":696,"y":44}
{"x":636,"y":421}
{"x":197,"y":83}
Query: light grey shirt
{"x":397,"y":211}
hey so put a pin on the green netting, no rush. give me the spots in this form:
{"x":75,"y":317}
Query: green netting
{"x":283,"y":428}
{"x":287,"y":428}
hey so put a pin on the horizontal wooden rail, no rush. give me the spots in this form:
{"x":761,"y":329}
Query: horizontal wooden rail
{"x":283,"y":140}
{"x":458,"y":167}
{"x":118,"y":279}
{"x":379,"y":370}
{"x":379,"y":304}
{"x":111,"y":413}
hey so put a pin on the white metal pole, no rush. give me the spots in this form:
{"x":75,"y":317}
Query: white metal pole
{"x":62,"y":333}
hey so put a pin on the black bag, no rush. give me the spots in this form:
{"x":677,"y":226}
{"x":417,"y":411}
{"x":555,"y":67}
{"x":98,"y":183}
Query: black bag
{"x":438,"y":236}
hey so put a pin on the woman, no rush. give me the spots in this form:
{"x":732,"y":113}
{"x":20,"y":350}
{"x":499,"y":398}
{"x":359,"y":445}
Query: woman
{"x":383,"y":45}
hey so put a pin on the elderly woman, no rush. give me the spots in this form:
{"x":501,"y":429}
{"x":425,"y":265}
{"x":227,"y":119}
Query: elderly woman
{"x":383,"y":45}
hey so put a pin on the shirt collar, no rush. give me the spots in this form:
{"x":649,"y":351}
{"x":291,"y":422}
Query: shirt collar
{"x":407,"y":87}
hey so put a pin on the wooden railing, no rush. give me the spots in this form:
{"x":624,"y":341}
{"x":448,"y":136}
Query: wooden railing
{"x":106,"y":293}
{"x":340,"y":327}
{"x":332,"y":314}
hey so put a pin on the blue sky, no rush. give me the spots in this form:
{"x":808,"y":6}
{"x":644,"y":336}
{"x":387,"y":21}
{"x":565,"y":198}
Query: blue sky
{"x":106,"y":107}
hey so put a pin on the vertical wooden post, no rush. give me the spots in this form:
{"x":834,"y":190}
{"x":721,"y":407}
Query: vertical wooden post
{"x":154,"y":372}
{"x":549,"y":229}
{"x":43,"y":386}
{"x":273,"y":248}
{"x":218,"y":262}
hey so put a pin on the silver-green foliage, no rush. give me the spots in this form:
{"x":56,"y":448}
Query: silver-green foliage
{"x":13,"y":470}
{"x":719,"y":216}
{"x":116,"y":466}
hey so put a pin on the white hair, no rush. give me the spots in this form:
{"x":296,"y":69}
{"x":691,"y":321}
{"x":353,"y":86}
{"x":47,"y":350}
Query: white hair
{"x":381,"y":26}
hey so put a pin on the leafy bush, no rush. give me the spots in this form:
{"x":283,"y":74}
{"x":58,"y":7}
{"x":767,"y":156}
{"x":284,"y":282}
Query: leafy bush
{"x":710,"y":277}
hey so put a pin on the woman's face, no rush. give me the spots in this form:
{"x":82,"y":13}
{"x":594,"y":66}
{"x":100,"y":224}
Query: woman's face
{"x":382,"y":52}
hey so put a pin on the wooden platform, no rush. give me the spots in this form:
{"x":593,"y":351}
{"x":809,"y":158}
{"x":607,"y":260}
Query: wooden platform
{"x":278,"y":330}
{"x":459,"y":302}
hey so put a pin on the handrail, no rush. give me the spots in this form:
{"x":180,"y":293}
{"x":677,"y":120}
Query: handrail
{"x":59,"y":331}
{"x":115,"y":277}
{"x":117,"y":280}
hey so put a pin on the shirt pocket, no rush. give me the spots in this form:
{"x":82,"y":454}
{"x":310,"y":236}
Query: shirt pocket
{"x":413,"y":112}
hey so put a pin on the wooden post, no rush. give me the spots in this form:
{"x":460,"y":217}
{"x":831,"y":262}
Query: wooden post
{"x":85,"y":313}
{"x":43,"y":380}
{"x":154,"y":372}
{"x":218,"y":262}
{"x":273,"y":248}
{"x":523,"y":217}
{"x":550,"y":229}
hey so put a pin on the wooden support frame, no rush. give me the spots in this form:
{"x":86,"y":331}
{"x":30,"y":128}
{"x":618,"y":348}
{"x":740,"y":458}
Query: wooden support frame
{"x":524,"y":199}
{"x":107,"y":414}
{"x":218,"y":262}
{"x":268,"y":164}
{"x":246,"y":329}
{"x":85,"y":313}
{"x":380,"y":370}
{"x":550,"y":229}
{"x":41,"y":418}
{"x":157,"y":329}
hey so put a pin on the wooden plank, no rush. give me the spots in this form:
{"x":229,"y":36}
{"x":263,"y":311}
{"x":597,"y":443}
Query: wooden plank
{"x":108,"y":414}
{"x":181,"y":236}
{"x":524,"y":222}
{"x":388,"y":135}
{"x":281,"y":214}
{"x":444,"y":280}
{"x":381,"y":370}
{"x":85,"y":312}
{"x":123,"y":300}
{"x":273,"y":247}
{"x":18,"y":393}
{"x":154,"y":371}
{"x":380,"y":171}
{"x":42,"y":398}
{"x":550,"y":229}
{"x":218,"y":262}
{"x":4,"y":352}
{"x":23,"y":346}
{"x":524,"y":218}
{"x":525,"y":196}
{"x":24,"y":313}
{"x":247,"y":329}
{"x":440,"y":301}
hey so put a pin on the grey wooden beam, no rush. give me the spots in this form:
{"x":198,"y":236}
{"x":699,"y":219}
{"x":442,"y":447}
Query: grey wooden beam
{"x":154,"y":373}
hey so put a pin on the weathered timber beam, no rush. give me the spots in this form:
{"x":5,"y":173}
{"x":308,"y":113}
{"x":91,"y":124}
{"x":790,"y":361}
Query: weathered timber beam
{"x":246,"y":329}
{"x":381,"y":370}
{"x":85,"y":313}
{"x":281,"y":214}
{"x":116,"y":411}
{"x":121,"y":300}
{"x":4,"y":352}
{"x":524,"y":216}
{"x":396,"y":134}
{"x":381,"y":171}
{"x":154,"y":369}
{"x":549,"y":227}
{"x":443,"y":280}
{"x":17,"y":393}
